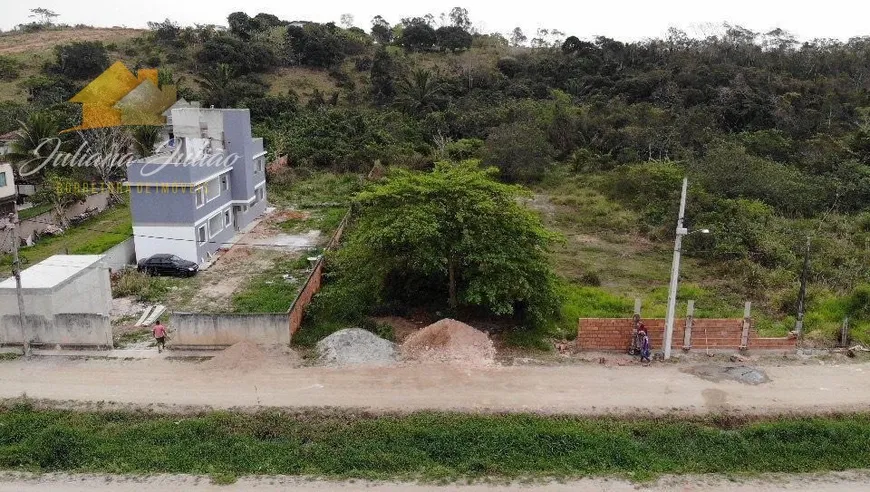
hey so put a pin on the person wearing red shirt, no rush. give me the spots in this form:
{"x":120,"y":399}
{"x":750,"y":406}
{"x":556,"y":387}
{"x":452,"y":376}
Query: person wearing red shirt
{"x":159,"y":332}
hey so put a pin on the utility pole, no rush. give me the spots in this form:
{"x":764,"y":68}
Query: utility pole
{"x":801,"y":307}
{"x":16,"y":271}
{"x":675,"y":273}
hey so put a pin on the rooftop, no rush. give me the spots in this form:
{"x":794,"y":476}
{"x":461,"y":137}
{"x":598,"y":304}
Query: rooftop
{"x":52,"y":271}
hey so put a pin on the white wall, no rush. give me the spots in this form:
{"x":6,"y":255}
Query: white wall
{"x":175,"y":240}
{"x":9,"y":189}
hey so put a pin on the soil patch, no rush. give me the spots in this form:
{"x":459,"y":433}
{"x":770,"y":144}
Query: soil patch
{"x":741,"y":374}
{"x":247,"y":356}
{"x":355,"y":346}
{"x":449,"y":340}
{"x":402,"y":327}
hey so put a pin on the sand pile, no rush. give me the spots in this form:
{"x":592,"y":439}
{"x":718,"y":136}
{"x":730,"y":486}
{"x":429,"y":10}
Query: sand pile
{"x":449,"y":340}
{"x":355,"y":346}
{"x":246,"y":356}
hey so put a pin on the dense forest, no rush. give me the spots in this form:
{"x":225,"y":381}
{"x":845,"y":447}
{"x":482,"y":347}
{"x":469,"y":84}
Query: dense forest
{"x":773,"y":133}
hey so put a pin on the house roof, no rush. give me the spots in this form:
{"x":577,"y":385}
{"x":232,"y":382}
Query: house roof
{"x":9,"y":137}
{"x":53,"y":271}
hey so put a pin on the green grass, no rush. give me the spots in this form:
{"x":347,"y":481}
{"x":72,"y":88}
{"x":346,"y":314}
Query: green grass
{"x":268,"y":292}
{"x":34,"y":211}
{"x":305,"y":188}
{"x":324,"y":220}
{"x":430,"y":446}
{"x":93,"y":236}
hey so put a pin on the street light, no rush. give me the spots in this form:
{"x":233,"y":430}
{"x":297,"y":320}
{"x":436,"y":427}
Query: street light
{"x":675,"y":270}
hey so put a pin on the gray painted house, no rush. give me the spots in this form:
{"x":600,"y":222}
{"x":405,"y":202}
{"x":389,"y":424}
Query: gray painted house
{"x":204,"y":185}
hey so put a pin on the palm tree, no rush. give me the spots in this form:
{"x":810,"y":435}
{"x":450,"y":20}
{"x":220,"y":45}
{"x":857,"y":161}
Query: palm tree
{"x":145,"y":139}
{"x":37,"y":140}
{"x":217,"y":85}
{"x":420,"y":92}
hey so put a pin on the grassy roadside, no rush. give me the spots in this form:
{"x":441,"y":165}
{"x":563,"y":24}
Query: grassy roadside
{"x":429,"y":446}
{"x":93,"y":236}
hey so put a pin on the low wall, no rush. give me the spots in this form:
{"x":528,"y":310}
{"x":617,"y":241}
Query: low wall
{"x":120,"y":255}
{"x":715,"y":334}
{"x":65,"y":330}
{"x":202,"y":330}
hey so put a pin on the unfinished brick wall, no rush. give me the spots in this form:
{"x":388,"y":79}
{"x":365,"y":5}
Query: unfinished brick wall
{"x":312,"y":284}
{"x":715,"y":334}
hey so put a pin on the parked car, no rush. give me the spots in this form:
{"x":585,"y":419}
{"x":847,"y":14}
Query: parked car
{"x":168,"y":265}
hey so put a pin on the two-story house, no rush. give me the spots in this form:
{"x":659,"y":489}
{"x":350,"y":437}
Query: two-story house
{"x":205,"y":184}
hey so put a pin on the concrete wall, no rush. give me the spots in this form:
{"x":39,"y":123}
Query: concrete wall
{"x":65,"y":329}
{"x":202,"y":330}
{"x":120,"y":255}
{"x":41,"y":222}
{"x":715,"y":334}
{"x":88,"y":293}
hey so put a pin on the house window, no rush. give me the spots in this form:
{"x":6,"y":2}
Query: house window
{"x":260,"y":164}
{"x":214,"y":225}
{"x":2,"y":179}
{"x":225,"y":182}
{"x":212,"y":190}
{"x":202,"y":235}
{"x":200,"y":197}
{"x":259,"y":194}
{"x":227,"y":218}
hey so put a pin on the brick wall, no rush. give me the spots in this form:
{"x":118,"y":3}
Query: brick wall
{"x":715,"y":334}
{"x":312,"y":284}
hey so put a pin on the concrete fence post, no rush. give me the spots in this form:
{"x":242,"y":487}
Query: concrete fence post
{"x":690,"y":319}
{"x":747,"y":321}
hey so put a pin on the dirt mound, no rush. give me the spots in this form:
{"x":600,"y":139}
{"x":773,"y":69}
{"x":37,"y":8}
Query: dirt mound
{"x":449,"y":340}
{"x":355,"y":346}
{"x":247,"y":356}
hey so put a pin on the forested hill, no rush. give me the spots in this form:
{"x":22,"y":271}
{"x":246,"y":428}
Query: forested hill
{"x":774,"y":134}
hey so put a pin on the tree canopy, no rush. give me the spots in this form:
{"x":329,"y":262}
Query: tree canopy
{"x":453,"y":237}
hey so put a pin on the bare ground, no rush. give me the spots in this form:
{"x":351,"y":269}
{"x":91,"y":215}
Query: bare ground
{"x":38,"y":41}
{"x":848,"y":481}
{"x":587,"y":389}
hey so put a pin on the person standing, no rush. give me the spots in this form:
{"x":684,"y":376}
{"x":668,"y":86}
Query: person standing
{"x":159,"y":332}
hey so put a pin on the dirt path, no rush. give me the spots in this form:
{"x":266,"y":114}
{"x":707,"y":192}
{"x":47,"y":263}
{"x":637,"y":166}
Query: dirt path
{"x":579,"y":389}
{"x":852,"y":481}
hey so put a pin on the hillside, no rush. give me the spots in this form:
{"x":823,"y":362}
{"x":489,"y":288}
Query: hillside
{"x":774,"y":136}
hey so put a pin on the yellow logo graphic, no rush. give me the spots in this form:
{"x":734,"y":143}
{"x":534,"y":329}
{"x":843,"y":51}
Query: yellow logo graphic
{"x":117,"y":98}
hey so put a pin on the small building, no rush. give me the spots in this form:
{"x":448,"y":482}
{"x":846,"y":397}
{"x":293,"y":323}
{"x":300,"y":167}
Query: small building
{"x":203,"y":186}
{"x":6,"y":141}
{"x":67,"y":299}
{"x":7,"y":189}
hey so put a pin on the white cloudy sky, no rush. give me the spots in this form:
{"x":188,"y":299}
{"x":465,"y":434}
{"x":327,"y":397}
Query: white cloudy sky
{"x":621,"y":19}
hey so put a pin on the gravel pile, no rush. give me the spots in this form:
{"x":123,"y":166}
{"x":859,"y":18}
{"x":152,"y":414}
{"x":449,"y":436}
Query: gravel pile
{"x":449,"y":340}
{"x":355,"y":346}
{"x":741,"y":374}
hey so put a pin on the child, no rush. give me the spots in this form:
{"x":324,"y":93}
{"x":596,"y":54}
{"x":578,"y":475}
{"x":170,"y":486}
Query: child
{"x":159,"y":332}
{"x":644,"y":343}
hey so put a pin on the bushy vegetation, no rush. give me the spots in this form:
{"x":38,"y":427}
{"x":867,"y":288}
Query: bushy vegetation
{"x":451,"y":238}
{"x":429,"y":446}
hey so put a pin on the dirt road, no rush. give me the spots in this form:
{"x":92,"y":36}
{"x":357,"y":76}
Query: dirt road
{"x":832,"y":482}
{"x":578,"y":389}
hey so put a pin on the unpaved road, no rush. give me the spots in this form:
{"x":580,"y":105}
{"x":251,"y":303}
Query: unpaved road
{"x":852,"y":481}
{"x":578,"y":389}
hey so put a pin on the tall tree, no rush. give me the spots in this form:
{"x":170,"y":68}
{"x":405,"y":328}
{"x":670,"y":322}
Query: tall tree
{"x":44,"y":16}
{"x":383,"y":79}
{"x":218,"y":86}
{"x":381,"y":30}
{"x":517,"y":37}
{"x":454,"y":232}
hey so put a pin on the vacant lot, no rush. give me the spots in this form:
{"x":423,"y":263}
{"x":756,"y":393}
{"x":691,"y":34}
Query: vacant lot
{"x":11,"y":43}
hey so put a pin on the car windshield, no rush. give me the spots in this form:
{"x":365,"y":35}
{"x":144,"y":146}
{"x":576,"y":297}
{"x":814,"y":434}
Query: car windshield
{"x":175,"y":259}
